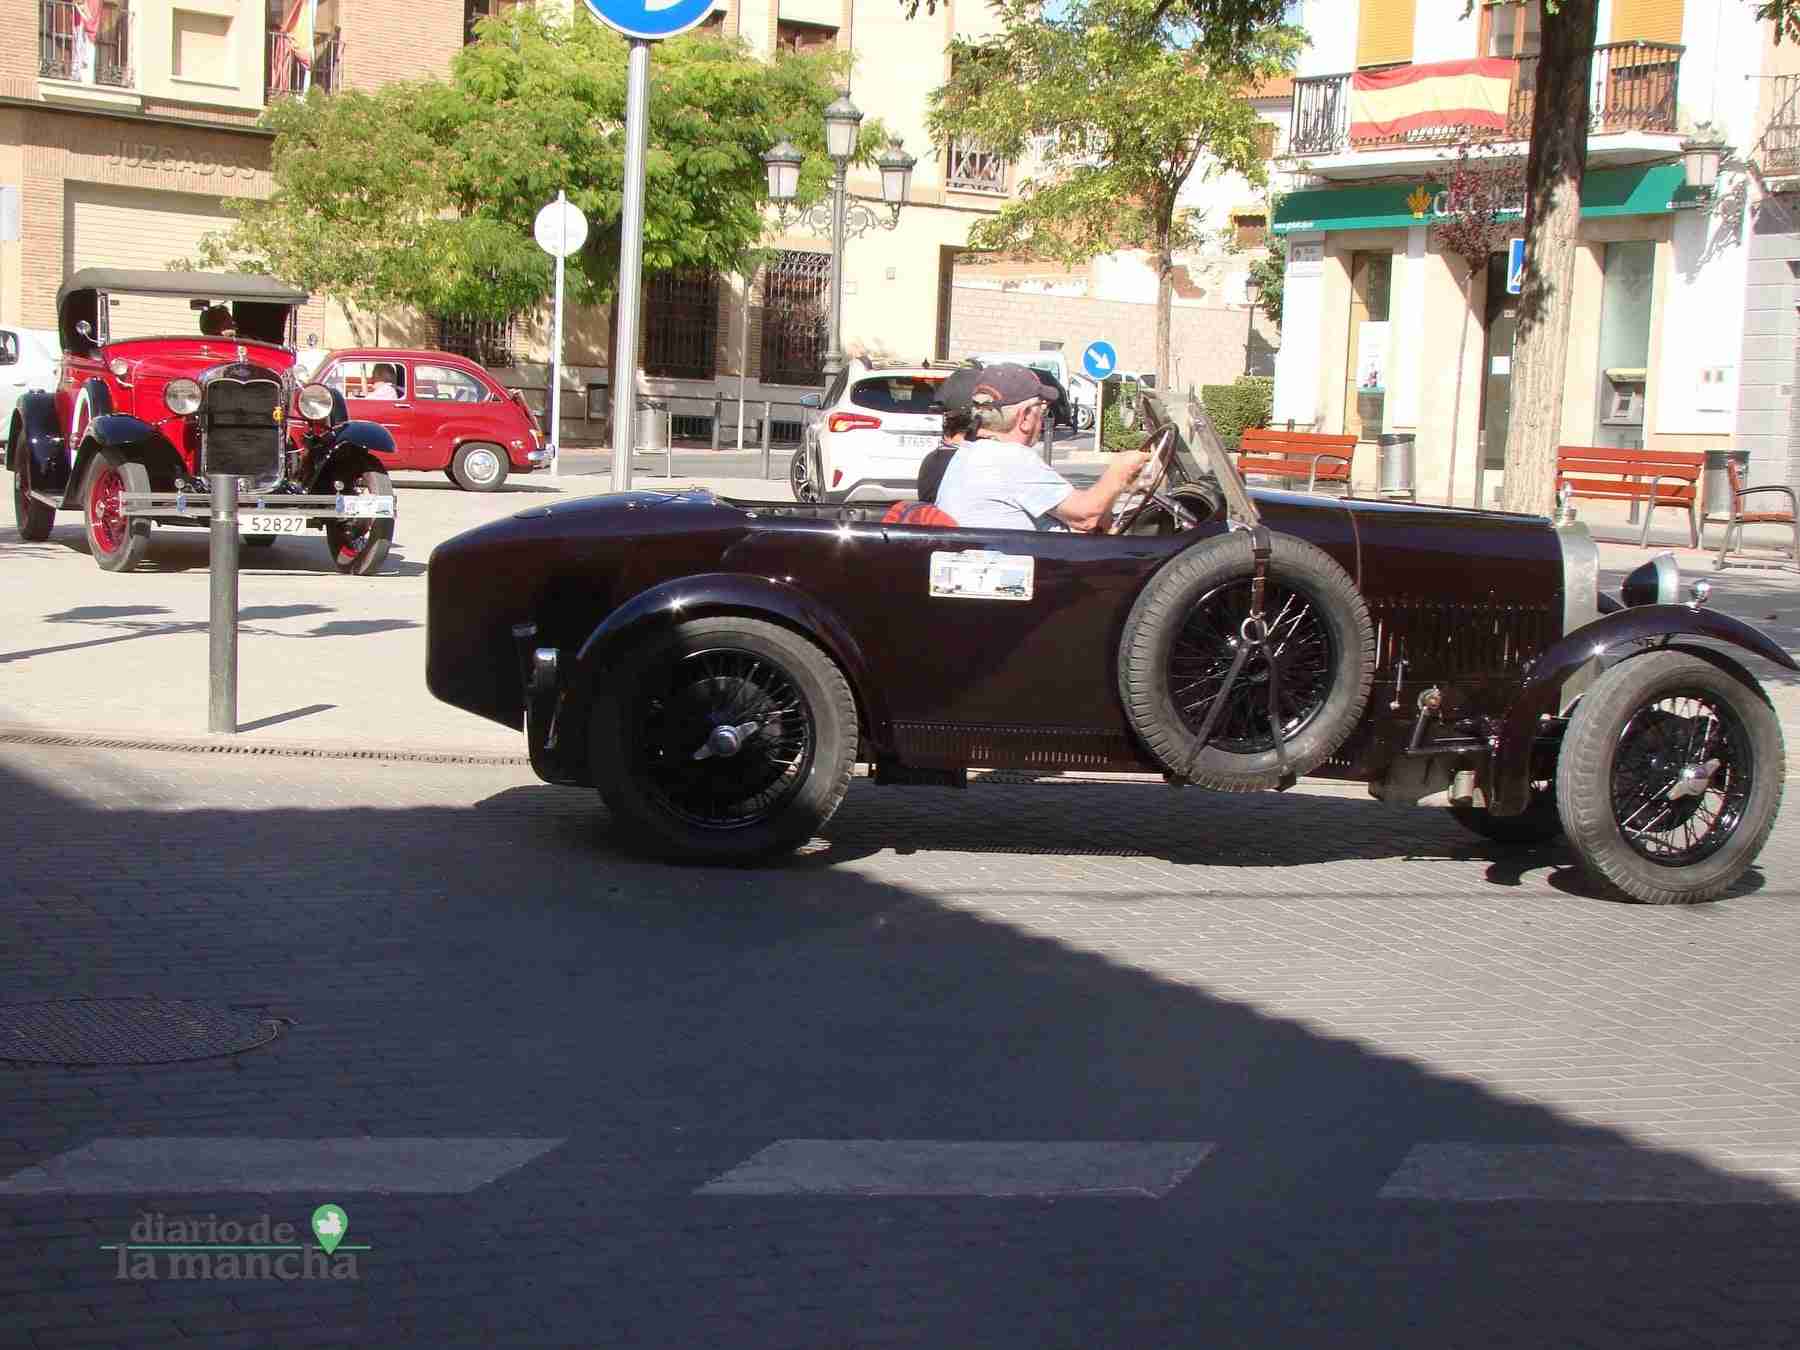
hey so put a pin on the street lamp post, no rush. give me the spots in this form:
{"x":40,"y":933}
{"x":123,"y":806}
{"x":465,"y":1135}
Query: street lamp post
{"x":844,"y":219}
{"x":1252,"y":297}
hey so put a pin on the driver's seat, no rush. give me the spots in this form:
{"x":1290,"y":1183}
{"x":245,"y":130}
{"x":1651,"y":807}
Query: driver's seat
{"x":918,"y":513}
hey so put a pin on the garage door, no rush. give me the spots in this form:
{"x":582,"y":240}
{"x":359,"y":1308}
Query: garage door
{"x":106,"y":226}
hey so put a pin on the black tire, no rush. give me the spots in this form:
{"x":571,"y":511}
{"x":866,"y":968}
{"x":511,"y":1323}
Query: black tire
{"x":1538,"y":823}
{"x":665,"y":701}
{"x":478,"y":467}
{"x":118,"y":542}
{"x":34,"y":519}
{"x":1184,"y":630}
{"x":800,"y":479}
{"x":358,"y":546}
{"x":1635,"y":731}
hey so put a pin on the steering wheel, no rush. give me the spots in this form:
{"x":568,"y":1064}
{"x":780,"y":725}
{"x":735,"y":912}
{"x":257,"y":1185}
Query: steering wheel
{"x":1147,"y":487}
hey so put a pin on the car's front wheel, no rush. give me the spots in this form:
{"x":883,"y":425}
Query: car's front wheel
{"x":478,"y":467}
{"x":358,"y":546}
{"x":117,"y":541}
{"x":34,"y":519}
{"x":1670,"y":776}
{"x":723,"y":740}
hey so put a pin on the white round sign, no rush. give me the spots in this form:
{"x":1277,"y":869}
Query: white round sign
{"x":560,"y":228}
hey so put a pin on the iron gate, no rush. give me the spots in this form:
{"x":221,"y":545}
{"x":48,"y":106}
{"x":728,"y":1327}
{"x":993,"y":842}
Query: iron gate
{"x":796,"y":291}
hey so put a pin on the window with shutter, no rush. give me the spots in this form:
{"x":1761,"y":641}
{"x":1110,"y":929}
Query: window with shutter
{"x":1384,"y":32}
{"x":1650,"y":20}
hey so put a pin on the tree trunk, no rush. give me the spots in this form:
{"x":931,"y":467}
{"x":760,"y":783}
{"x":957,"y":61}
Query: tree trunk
{"x":1165,"y":300}
{"x":1553,"y":170}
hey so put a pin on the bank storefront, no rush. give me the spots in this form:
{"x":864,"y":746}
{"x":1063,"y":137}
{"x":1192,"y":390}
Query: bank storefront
{"x":1382,"y":332}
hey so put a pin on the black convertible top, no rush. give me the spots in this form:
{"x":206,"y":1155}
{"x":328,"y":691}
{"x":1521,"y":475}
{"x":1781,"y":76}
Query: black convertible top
{"x":190,"y":285}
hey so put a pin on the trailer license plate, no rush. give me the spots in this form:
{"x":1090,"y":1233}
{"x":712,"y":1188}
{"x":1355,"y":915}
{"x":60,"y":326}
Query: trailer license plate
{"x":273,"y":522}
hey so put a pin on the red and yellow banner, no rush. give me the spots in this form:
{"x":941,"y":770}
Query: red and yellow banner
{"x":1397,"y":104}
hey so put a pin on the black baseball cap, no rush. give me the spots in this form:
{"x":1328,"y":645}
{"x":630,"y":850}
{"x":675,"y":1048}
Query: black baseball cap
{"x":998,"y":386}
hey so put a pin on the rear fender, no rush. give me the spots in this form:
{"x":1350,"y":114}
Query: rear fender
{"x":1542,"y":693}
{"x":133,"y":438}
{"x":754,"y":597}
{"x":34,"y":432}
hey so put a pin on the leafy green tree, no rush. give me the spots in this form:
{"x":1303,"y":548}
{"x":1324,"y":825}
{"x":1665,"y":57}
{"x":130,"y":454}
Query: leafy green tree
{"x":423,"y":194}
{"x":1116,"y":111}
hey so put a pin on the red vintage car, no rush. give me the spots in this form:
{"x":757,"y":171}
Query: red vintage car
{"x":444,"y":412}
{"x":169,"y":378}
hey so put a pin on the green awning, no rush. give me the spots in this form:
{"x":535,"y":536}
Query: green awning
{"x":1640,"y":191}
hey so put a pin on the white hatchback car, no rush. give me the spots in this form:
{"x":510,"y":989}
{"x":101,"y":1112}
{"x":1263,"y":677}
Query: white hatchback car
{"x":867,"y":435}
{"x":30,"y":359}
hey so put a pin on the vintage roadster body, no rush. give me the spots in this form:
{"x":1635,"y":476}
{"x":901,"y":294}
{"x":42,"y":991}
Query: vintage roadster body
{"x":158,"y":413}
{"x":717,"y":667}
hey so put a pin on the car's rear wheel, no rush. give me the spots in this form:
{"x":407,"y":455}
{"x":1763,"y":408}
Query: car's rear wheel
{"x":358,"y":546}
{"x":1186,"y":629}
{"x":1670,"y":776}
{"x":34,"y":519}
{"x":478,"y":467}
{"x":117,"y":541}
{"x":800,"y":477}
{"x":723,"y":740}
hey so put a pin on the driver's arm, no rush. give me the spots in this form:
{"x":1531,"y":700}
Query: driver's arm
{"x":1085,"y":508}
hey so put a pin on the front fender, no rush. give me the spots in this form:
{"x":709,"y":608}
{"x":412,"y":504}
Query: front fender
{"x":1540,"y":696}
{"x":370,"y":436}
{"x":135,"y":439}
{"x":347,"y":448}
{"x":35,"y":432}
{"x":735,"y":593}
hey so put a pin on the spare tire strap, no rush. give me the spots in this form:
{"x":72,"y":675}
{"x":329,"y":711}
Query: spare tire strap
{"x":1254,"y":635}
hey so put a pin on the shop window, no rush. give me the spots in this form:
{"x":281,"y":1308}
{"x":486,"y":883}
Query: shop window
{"x":1626,"y":291}
{"x":1365,"y":395}
{"x":487,"y":342}
{"x":681,"y":325}
{"x":793,"y":36}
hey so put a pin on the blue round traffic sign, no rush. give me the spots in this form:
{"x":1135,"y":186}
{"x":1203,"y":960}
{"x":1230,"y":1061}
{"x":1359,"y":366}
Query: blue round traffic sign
{"x":651,"y":19}
{"x":1099,"y":360}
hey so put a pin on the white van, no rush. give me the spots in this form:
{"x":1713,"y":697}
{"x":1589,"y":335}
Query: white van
{"x":1084,"y":393}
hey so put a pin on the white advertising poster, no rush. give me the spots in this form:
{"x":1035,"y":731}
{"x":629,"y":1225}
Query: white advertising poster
{"x":1371,"y":358}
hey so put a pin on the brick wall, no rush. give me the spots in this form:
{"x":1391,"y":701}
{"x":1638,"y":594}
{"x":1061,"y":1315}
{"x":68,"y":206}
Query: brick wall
{"x":19,"y":49}
{"x":1206,"y":345}
{"x":402,"y":40}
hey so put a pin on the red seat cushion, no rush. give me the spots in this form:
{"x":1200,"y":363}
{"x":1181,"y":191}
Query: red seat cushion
{"x":918,"y":513}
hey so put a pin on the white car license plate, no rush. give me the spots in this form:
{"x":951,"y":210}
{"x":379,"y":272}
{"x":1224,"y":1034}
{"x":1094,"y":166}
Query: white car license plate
{"x":912,"y":442}
{"x":272,"y":522}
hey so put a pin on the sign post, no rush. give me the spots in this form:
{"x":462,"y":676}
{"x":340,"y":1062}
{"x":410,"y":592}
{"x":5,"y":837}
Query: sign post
{"x":559,"y":229}
{"x":643,"y":22}
{"x":222,"y":609}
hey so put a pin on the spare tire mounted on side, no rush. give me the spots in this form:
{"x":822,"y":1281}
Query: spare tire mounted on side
{"x":1186,"y":631}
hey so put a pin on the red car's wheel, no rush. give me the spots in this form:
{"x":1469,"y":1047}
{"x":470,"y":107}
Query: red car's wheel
{"x":117,"y":541}
{"x":358,"y":546}
{"x":35,"y":520}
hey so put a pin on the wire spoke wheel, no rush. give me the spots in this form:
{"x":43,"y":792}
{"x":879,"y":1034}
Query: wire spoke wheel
{"x":1299,"y":641}
{"x":1681,"y":778}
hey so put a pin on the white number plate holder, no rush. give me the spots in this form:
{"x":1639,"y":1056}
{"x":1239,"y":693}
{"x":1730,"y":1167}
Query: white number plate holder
{"x":982,"y":574}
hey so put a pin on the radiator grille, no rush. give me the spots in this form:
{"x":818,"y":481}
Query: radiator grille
{"x":243,"y":432}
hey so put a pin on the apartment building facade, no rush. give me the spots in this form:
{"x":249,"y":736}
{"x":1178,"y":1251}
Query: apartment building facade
{"x":122,"y":143}
{"x":1682,"y":331}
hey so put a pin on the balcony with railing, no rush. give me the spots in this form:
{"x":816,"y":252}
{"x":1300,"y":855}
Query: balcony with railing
{"x":85,"y":42}
{"x":286,"y":73}
{"x":971,"y":167}
{"x":1634,"y":87}
{"x":1778,"y":152}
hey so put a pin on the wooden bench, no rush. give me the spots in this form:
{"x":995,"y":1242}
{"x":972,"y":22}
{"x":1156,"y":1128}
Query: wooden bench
{"x":1738,"y":517}
{"x":1318,"y":458}
{"x":1647,"y":478}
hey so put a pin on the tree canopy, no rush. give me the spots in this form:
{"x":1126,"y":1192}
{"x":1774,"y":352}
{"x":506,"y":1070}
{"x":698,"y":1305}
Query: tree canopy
{"x":1114,"y":115}
{"x":423,"y":194}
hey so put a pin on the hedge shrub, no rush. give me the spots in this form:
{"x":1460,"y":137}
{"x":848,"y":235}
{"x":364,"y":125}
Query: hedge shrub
{"x":1246,"y":402}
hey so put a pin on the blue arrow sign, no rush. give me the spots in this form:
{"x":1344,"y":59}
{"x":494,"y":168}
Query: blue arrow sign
{"x":651,"y":19}
{"x":1100,"y":360}
{"x":1515,"y":266}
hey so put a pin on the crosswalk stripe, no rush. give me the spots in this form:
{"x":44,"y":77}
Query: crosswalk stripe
{"x":152,"y":1165}
{"x":1485,"y":1172}
{"x":961,"y":1167}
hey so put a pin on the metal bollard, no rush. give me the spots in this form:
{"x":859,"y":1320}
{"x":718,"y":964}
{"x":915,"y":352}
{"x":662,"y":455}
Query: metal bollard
{"x":1047,"y":435}
{"x":668,"y":443}
{"x":768,"y":431}
{"x":222,"y":616}
{"x":718,"y":415}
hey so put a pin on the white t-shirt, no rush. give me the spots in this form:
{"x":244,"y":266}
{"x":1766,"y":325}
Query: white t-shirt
{"x":999,"y":485}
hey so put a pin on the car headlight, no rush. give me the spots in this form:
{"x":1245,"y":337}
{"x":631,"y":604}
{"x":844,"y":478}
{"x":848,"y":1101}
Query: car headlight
{"x":1657,"y":582}
{"x":182,"y":396}
{"x":315,"y":402}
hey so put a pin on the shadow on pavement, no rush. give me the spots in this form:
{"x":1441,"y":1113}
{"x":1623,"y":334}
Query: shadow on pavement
{"x":139,"y":621}
{"x":500,"y":969}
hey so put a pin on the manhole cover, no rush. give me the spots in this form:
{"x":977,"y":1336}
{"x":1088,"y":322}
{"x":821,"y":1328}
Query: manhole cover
{"x":128,"y":1031}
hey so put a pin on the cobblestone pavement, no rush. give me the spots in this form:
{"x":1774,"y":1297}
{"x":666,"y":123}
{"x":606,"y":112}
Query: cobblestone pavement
{"x":1431,"y":1095}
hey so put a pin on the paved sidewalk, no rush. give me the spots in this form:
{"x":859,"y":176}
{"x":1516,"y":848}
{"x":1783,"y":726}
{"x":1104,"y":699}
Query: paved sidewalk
{"x":333,"y":661}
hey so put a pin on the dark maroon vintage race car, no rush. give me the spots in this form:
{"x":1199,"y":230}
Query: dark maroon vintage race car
{"x":718,"y":668}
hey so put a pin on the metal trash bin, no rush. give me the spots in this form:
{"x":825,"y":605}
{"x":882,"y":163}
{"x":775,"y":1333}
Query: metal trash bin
{"x":1396,"y":453}
{"x":1717,"y":484}
{"x":652,"y":425}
